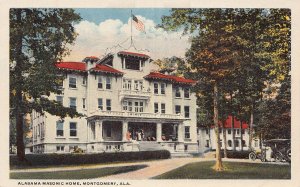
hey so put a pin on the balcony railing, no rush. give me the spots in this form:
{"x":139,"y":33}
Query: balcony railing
{"x":139,"y":94}
{"x":137,"y":114}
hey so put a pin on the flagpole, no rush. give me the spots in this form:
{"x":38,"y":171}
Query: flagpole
{"x":131,"y":28}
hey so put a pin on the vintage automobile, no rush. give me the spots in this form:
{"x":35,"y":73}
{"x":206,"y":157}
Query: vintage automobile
{"x":278,"y":150}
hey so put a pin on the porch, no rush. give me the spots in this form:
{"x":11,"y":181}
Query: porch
{"x":136,"y":135}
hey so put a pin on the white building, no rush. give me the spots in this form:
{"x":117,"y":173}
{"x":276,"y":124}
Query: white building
{"x":127,"y":108}
{"x":237,"y":138}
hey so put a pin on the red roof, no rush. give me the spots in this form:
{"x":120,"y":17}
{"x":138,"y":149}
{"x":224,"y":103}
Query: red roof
{"x":237,"y":124}
{"x":156,"y":75}
{"x":105,"y":68}
{"x":133,"y":54}
{"x":72,"y":65}
{"x":81,"y":66}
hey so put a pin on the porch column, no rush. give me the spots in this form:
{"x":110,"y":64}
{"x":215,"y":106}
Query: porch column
{"x":158,"y":132}
{"x":98,"y":130}
{"x":88,"y":131}
{"x":124,"y":130}
{"x":180,"y":132}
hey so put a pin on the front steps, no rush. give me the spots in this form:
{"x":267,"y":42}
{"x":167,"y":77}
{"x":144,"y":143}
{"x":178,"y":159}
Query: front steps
{"x":149,"y":146}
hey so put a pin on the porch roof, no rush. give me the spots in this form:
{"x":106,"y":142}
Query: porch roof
{"x":136,"y":117}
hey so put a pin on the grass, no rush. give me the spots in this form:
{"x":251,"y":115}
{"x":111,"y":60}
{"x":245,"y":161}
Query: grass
{"x":76,"y":174}
{"x":235,"y":170}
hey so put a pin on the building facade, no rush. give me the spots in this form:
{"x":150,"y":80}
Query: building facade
{"x":237,"y":136}
{"x":126,"y":107}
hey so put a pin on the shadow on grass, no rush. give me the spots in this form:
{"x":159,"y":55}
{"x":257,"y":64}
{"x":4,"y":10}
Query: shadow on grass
{"x":76,"y":174}
{"x":234,"y":170}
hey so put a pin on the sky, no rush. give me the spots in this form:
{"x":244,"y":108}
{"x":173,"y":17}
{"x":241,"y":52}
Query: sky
{"x":109,"y":30}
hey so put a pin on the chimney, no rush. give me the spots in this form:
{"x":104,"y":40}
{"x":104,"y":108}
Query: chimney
{"x":90,"y":62}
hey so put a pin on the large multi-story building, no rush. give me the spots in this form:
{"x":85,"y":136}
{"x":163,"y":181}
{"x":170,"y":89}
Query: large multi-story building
{"x":126,"y":107}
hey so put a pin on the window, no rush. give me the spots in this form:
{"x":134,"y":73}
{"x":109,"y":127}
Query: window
{"x":238,"y":131}
{"x":138,"y":85}
{"x":207,"y":131}
{"x":207,"y":143}
{"x":72,"y":82}
{"x":244,"y":143}
{"x":221,"y":144}
{"x":220,"y":130}
{"x":83,"y":103}
{"x":59,"y":129}
{"x":186,"y":93}
{"x":125,"y":105}
{"x":141,"y":107}
{"x":163,"y":88}
{"x":108,"y":104}
{"x":132,"y":63}
{"x":100,"y":83}
{"x":73,"y":102}
{"x":155,"y":107}
{"x":130,"y":106}
{"x":163,"y":108}
{"x":108,"y":83}
{"x":186,"y":111}
{"x":186,"y":132}
{"x":39,"y":130}
{"x":84,"y":80}
{"x":229,"y":143}
{"x":60,"y":148}
{"x":59,"y":99}
{"x":155,"y":88}
{"x":42,"y":130}
{"x":236,"y":143}
{"x":229,"y":131}
{"x":136,"y":106}
{"x":177,"y":92}
{"x":243,"y":131}
{"x":177,"y":109}
{"x":73,"y":129}
{"x":126,"y":84}
{"x":100,"y":104}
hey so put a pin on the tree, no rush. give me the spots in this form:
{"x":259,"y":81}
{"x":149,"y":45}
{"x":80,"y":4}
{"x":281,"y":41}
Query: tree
{"x":38,"y":39}
{"x":211,"y":55}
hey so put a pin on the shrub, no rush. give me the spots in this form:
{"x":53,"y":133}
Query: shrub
{"x":75,"y":159}
{"x":236,"y":154}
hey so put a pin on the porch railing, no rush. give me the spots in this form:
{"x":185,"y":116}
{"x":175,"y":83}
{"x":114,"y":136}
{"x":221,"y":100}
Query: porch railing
{"x":137,"y":114}
{"x":135,"y":94}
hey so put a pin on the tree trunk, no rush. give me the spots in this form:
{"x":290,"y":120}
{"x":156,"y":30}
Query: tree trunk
{"x":251,"y":130}
{"x":19,"y":97}
{"x":218,"y":166}
{"x":233,"y":132}
{"x":232,"y":125}
{"x":225,"y":141}
{"x":241,"y":128}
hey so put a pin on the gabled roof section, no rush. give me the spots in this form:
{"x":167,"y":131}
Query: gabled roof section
{"x":76,"y":66}
{"x":106,"y":69}
{"x":81,"y":67}
{"x":126,"y":53}
{"x":171,"y":78}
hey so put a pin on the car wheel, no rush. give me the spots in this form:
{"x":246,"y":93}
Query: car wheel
{"x":252,"y":156}
{"x":278,"y":157}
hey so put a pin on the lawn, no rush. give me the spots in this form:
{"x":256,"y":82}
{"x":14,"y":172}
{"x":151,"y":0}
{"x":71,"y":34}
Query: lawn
{"x":235,"y":170}
{"x":76,"y":174}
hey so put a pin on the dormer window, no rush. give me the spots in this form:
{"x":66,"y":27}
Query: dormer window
{"x":133,"y":64}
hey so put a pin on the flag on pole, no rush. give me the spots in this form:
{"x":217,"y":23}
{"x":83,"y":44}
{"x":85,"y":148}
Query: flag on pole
{"x":138,"y":24}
